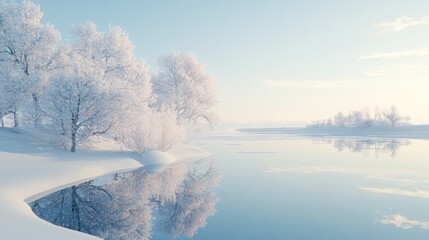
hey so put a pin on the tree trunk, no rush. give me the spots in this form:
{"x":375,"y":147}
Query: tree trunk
{"x":15,"y":119}
{"x":74,"y":121}
{"x":73,"y":138}
{"x":36,"y":113}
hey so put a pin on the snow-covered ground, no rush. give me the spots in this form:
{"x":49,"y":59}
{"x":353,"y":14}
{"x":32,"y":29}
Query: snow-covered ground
{"x":30,"y":167}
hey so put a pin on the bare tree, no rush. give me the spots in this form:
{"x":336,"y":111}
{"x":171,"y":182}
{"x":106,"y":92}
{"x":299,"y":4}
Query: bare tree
{"x":393,"y":117}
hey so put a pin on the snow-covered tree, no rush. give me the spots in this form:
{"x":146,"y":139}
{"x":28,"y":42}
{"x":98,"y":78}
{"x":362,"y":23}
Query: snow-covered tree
{"x":12,"y":92}
{"x":98,"y":82}
{"x":77,"y":104}
{"x":184,"y":86}
{"x":340,"y":120}
{"x":113,"y":53}
{"x":26,"y":49}
{"x":393,"y":117}
{"x":185,"y":96}
{"x":377,"y":113}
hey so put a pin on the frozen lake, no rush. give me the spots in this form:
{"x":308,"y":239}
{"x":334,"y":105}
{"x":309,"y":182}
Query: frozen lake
{"x":274,"y":187}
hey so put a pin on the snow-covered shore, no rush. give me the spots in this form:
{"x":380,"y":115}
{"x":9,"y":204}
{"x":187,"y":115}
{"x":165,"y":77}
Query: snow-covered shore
{"x":30,"y":168}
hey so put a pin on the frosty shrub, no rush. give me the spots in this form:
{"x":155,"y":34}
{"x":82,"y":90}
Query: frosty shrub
{"x":154,"y":130}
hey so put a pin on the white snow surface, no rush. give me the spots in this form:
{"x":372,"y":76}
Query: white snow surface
{"x":30,"y":167}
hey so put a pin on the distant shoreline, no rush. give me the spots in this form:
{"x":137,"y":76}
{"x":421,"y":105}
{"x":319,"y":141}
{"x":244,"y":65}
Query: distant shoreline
{"x":408,"y":131}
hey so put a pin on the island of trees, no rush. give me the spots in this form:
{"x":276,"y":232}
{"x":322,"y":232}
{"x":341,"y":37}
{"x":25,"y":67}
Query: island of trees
{"x":390,"y":118}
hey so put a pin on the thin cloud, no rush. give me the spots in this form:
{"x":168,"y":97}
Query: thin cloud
{"x":396,"y":191}
{"x":402,"y":23}
{"x":406,"y":70}
{"x":312,"y":84}
{"x":397,"y":54}
{"x":398,"y":180}
{"x":403,"y":222}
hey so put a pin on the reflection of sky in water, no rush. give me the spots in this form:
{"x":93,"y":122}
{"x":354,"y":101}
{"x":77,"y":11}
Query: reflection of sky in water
{"x":307,"y":190}
{"x":301,"y":190}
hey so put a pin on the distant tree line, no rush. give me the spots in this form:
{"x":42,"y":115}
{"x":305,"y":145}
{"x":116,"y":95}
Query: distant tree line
{"x":94,"y":84}
{"x":363,"y":119}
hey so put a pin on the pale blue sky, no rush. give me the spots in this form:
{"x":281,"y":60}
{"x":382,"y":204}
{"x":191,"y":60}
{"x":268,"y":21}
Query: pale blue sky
{"x":280,"y":60}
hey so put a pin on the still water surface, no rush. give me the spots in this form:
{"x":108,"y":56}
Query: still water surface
{"x":270,"y":187}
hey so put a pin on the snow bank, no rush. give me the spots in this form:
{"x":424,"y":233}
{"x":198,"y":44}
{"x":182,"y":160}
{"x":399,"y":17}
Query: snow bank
{"x":31,"y":168}
{"x":157,"y":157}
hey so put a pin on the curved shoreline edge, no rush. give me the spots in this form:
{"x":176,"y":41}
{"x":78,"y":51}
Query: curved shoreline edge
{"x":31,"y":168}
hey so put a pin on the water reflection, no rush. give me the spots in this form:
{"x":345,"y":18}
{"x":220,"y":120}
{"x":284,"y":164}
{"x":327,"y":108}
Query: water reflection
{"x":123,"y":205}
{"x":367,"y":146}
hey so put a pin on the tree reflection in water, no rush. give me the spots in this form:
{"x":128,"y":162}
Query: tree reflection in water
{"x":123,"y":207}
{"x":366,"y":146}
